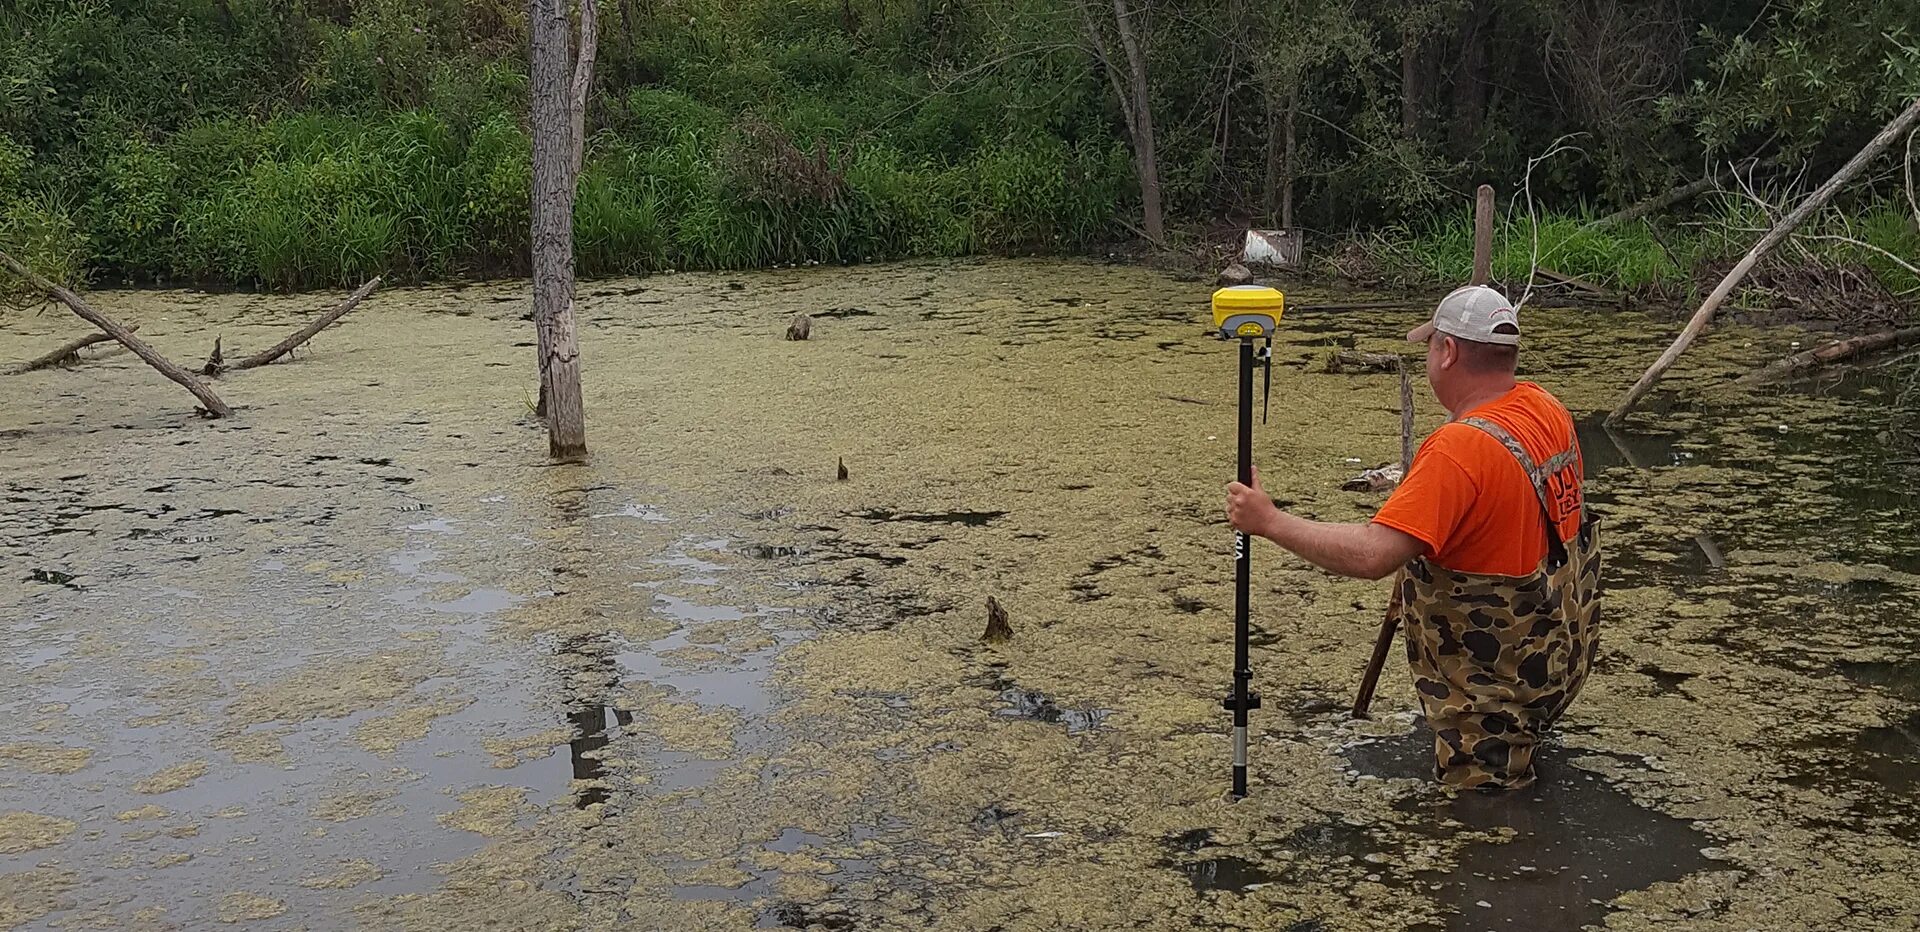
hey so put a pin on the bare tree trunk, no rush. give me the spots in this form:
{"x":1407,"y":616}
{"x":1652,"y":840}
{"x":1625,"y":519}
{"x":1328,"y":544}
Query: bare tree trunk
{"x":553,"y":232}
{"x":1286,"y":157}
{"x":66,"y":351}
{"x":1146,"y":161}
{"x":208,"y":400}
{"x":1472,"y":78}
{"x":1270,"y":196}
{"x":306,"y":333}
{"x":1818,"y":199}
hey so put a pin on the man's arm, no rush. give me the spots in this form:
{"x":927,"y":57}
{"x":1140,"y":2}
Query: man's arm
{"x":1366,"y":551}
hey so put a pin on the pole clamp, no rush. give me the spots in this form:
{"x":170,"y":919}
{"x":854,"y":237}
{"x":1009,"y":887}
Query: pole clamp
{"x":1232,"y":703}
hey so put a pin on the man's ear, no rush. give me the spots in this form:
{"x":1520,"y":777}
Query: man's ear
{"x":1449,"y":352}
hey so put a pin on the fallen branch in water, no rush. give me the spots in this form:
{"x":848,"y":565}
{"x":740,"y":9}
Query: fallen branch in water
{"x":209,"y":401}
{"x":306,"y":333}
{"x":1781,"y":230}
{"x":1832,"y":352}
{"x":66,"y":353}
{"x":1346,"y":360}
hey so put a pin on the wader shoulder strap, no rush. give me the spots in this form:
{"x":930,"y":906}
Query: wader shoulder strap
{"x":1537,"y":473}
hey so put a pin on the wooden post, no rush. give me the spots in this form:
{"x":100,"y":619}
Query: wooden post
{"x":1482,"y":236}
{"x":1389,"y":625}
{"x":208,"y":400}
{"x":1786,"y":226}
{"x":553,"y":231}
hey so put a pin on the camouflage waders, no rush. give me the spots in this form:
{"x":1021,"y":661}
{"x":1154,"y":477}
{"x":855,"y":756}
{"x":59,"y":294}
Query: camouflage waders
{"x":1497,"y":659}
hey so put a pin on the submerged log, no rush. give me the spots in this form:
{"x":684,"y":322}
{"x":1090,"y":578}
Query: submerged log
{"x":1346,"y":360}
{"x":209,"y":401}
{"x":306,"y":333}
{"x":1780,"y":231}
{"x":842,"y":475}
{"x":1832,"y":352}
{"x":1378,"y":479}
{"x":1575,"y":282}
{"x":66,"y":353}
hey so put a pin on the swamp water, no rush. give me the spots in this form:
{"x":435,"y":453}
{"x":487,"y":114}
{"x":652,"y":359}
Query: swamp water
{"x":359,"y":657}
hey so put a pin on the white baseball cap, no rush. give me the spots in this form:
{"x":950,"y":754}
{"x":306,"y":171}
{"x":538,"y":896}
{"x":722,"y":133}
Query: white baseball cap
{"x":1473,"y":312}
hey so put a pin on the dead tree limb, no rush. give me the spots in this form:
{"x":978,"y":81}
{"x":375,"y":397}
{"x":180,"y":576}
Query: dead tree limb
{"x":1780,"y":231}
{"x":305,"y":333}
{"x":209,"y":401}
{"x":1659,"y":202}
{"x":61,"y":356}
{"x":1832,"y":352}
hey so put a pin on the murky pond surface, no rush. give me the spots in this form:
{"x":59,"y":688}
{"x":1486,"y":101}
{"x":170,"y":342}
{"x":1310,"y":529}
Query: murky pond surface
{"x":360,"y":657}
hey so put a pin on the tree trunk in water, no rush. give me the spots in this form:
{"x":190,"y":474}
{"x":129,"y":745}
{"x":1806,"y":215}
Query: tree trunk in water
{"x":1818,"y":199}
{"x":1482,"y":236}
{"x":66,"y":351}
{"x":208,"y":400}
{"x":1832,"y":352}
{"x":553,"y":232}
{"x":1146,"y":162}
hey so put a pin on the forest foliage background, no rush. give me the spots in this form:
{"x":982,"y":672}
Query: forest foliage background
{"x":312,"y":143}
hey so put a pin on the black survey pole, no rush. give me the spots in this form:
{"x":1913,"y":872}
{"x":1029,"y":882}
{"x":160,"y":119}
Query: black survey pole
{"x":1243,"y":698}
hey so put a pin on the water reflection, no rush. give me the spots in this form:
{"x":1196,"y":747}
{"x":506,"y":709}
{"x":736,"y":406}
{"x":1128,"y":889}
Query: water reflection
{"x":1573,"y":842}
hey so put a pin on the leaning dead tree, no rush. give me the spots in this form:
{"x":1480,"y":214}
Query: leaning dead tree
{"x":1907,"y":119}
{"x":66,"y":353}
{"x":553,"y":191}
{"x":216,"y":365}
{"x":209,"y":401}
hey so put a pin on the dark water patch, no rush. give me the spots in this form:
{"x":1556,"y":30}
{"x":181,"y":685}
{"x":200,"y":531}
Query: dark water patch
{"x":1227,"y":875}
{"x":1902,"y":678}
{"x":789,"y":915}
{"x":773,"y":551}
{"x":967,"y":518}
{"x":1578,"y":841}
{"x":1665,"y":681}
{"x":593,"y":727}
{"x":1603,"y":447}
{"x":1033,"y":705}
{"x":53,"y":578}
{"x":1878,"y":768}
{"x":1189,"y":605}
{"x":843,"y":312}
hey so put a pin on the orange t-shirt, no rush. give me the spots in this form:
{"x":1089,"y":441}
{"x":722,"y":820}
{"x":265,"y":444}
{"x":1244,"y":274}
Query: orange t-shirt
{"x":1469,"y":501}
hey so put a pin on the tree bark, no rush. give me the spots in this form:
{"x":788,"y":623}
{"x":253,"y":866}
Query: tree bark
{"x":1482,"y":235}
{"x":552,"y":213}
{"x":1818,"y":199}
{"x":1472,"y":78}
{"x":1147,"y":161}
{"x":583,"y":81}
{"x":308,"y":332}
{"x":59,"y":356}
{"x":209,"y":401}
{"x":1286,"y":160}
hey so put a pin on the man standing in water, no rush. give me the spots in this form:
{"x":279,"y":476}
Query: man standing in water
{"x":1499,"y":566}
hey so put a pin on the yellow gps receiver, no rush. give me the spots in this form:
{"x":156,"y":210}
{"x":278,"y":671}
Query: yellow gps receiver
{"x":1247,"y":311}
